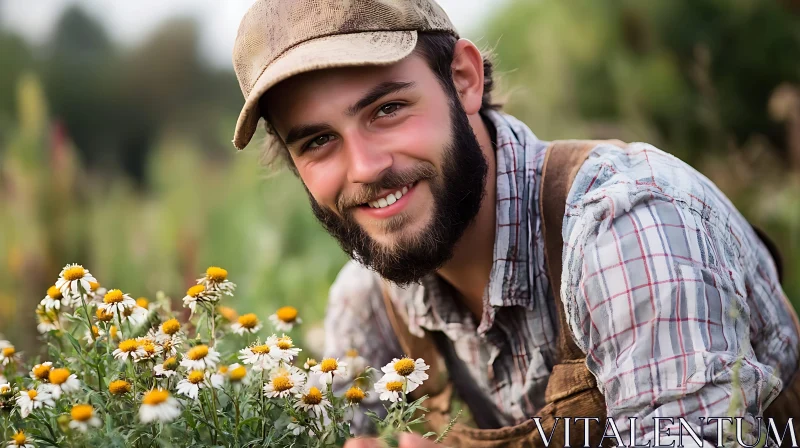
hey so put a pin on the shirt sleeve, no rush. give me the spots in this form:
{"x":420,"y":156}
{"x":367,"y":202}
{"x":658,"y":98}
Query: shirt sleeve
{"x":658,"y":304}
{"x":355,"y":320}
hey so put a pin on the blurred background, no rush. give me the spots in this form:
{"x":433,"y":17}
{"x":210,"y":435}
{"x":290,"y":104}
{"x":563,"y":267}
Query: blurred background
{"x":116,"y":120}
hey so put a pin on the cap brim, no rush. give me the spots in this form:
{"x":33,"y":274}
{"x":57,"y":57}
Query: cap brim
{"x":341,"y":50}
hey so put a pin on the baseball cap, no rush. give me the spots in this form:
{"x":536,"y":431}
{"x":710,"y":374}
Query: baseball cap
{"x":278,"y":39}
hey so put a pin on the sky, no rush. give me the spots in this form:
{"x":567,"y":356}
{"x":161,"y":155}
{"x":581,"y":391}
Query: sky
{"x":131,"y":21}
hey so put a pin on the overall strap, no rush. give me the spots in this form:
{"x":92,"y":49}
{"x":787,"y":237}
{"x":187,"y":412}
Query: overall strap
{"x":561,"y":164}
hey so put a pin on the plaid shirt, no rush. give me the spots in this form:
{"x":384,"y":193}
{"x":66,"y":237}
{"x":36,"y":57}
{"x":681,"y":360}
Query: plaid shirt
{"x":665,"y":285}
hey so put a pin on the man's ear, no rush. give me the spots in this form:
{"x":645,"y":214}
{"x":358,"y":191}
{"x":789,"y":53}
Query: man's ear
{"x":467,"y":70}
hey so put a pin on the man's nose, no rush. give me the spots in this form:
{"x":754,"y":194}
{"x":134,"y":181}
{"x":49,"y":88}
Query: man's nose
{"x":366,"y":163}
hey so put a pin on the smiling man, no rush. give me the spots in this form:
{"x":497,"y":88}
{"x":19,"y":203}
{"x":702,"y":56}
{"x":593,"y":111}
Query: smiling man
{"x":668,"y":297}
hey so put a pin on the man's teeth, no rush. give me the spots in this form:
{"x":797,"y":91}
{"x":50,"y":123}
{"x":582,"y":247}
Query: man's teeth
{"x":390,"y":199}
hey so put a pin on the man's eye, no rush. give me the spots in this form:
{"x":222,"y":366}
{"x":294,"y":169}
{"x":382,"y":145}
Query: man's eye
{"x":319,"y":141}
{"x":387,"y":109}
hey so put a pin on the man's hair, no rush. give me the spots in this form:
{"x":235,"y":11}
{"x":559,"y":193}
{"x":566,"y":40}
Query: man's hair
{"x":437,"y":49}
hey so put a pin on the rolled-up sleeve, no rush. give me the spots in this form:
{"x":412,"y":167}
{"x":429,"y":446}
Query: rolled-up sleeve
{"x":659,"y":305}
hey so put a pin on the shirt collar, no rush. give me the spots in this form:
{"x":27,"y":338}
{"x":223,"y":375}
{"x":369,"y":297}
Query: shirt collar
{"x":519,"y":155}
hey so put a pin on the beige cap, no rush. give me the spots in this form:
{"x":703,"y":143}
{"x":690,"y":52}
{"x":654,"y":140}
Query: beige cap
{"x":278,"y":39}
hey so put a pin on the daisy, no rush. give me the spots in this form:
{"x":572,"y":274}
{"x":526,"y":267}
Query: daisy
{"x":41,"y":371}
{"x":216,"y":280}
{"x":354,"y":395}
{"x":237,"y":373}
{"x":114,"y":334}
{"x":158,"y":405}
{"x":259,"y":356}
{"x":311,"y":400}
{"x":170,"y":327}
{"x":200,"y":357}
{"x":355,"y":363}
{"x":73,"y":277}
{"x":83,"y":417}
{"x":285,"y":382}
{"x":115,"y":302}
{"x":7,"y":353}
{"x":95,"y":334}
{"x":126,"y":348}
{"x":228,"y":313}
{"x":407,"y":368}
{"x":198,"y":294}
{"x":62,"y":381}
{"x":96,"y":292}
{"x":166,"y":369}
{"x":147,"y":349}
{"x":103,"y":315}
{"x":119,"y":387}
{"x":390,"y":387}
{"x":28,"y":400}
{"x":285,"y":318}
{"x":47,"y":320}
{"x":196,"y":380}
{"x":143,"y":302}
{"x":52,"y":300}
{"x":135,"y":314}
{"x":246,"y":323}
{"x":310,"y":362}
{"x":296,"y":427}
{"x":282,"y":348}
{"x":5,"y":387}
{"x":329,"y":367}
{"x":20,"y":440}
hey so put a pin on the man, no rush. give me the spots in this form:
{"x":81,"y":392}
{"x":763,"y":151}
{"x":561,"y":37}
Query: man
{"x":386,"y":117}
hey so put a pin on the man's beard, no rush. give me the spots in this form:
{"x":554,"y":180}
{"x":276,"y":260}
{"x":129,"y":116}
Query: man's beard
{"x":457,"y":195}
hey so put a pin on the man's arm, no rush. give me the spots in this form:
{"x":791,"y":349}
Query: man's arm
{"x":659,"y":305}
{"x":356,"y":320}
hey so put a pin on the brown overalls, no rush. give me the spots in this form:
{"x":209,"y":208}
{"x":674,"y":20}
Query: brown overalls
{"x":572,"y":389}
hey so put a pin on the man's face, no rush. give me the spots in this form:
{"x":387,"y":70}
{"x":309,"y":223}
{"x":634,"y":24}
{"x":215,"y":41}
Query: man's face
{"x":389,"y":160}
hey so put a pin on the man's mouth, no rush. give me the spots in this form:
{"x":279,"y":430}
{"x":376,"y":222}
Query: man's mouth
{"x":390,"y":198}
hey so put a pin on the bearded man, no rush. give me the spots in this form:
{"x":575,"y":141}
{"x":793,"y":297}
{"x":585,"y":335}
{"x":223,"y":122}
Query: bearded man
{"x":627,"y":258}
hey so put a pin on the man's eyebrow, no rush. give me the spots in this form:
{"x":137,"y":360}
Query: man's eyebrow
{"x":304,"y":130}
{"x":377,"y":93}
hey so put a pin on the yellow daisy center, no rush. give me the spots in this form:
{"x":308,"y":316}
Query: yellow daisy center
{"x":54,"y":293}
{"x":142,"y":302}
{"x":281,"y":383}
{"x":129,"y":345}
{"x":74,"y":273}
{"x":113,"y":296}
{"x":216,"y":274}
{"x":103,"y":315}
{"x":127,"y":311}
{"x":195,"y":290}
{"x":155,"y":396}
{"x":94,"y":286}
{"x":113,"y":332}
{"x":95,"y":331}
{"x":394,"y":386}
{"x":119,"y":387}
{"x":9,"y":352}
{"x":328,"y":365}
{"x":260,"y":349}
{"x":196,"y":376}
{"x":238,"y":373}
{"x":284,"y":343}
{"x":311,"y":362}
{"x":171,"y":326}
{"x":352,"y":353}
{"x":4,"y":389}
{"x":314,"y":396}
{"x":41,"y":371}
{"x":287,"y":314}
{"x":19,"y":438}
{"x":248,"y":321}
{"x":404,"y":366}
{"x":59,"y":376}
{"x":354,"y":395}
{"x":228,"y":313}
{"x":170,"y":364}
{"x":32,"y":393}
{"x":148,"y":347}
{"x":198,"y":352}
{"x":82,"y":412}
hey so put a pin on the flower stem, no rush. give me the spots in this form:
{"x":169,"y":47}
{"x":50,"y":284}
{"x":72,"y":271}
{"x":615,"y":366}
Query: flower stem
{"x":88,"y":318}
